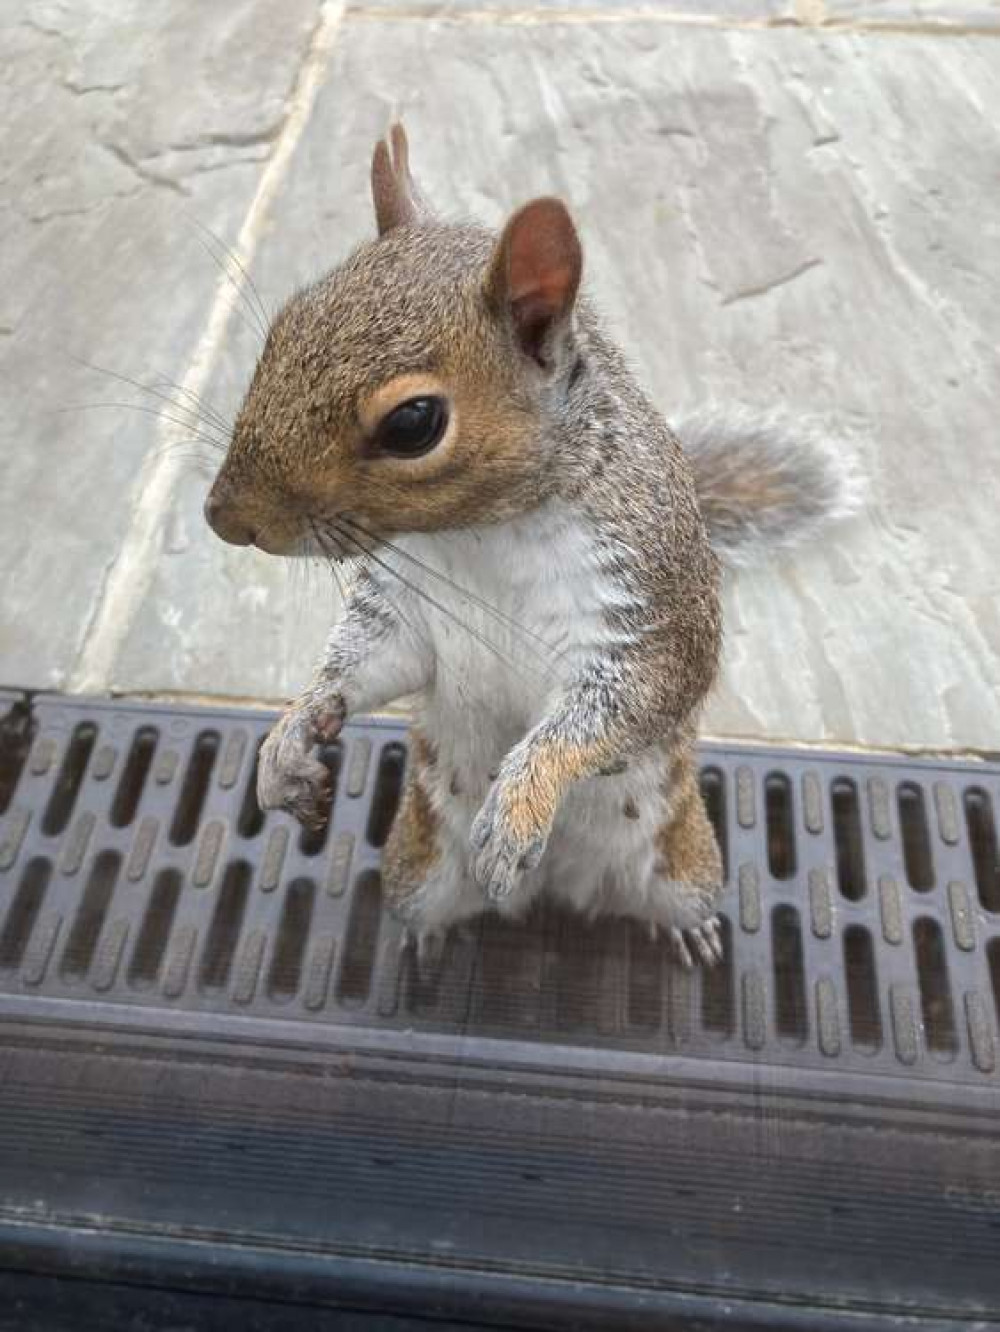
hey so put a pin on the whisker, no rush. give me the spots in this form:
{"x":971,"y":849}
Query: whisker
{"x":242,"y":305}
{"x":198,"y":404}
{"x":406,"y":620}
{"x":425,"y":596}
{"x":211,"y":440}
{"x":231,"y":253}
{"x":221,"y":253}
{"x":200,"y":420}
{"x":500,"y":616}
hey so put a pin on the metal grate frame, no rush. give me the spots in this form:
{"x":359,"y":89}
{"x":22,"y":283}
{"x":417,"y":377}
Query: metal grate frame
{"x":862,"y":913}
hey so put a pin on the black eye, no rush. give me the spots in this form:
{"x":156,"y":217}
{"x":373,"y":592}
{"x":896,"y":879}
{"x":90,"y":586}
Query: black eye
{"x":413,"y":428}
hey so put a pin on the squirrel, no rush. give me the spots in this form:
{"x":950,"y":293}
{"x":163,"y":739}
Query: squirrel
{"x":535,"y":556}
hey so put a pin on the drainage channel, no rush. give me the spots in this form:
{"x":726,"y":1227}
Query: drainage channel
{"x":221,"y":1076}
{"x":861,"y":917}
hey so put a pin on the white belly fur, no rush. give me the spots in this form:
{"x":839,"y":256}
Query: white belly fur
{"x":542,"y":572}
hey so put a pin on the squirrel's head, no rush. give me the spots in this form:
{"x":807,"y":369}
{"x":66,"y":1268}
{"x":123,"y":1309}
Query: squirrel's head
{"x":412,"y":389}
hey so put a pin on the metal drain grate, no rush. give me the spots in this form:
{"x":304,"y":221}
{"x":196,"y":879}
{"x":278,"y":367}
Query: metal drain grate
{"x":862,"y":913}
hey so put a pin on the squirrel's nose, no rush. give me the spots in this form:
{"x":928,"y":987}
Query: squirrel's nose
{"x":226,"y":523}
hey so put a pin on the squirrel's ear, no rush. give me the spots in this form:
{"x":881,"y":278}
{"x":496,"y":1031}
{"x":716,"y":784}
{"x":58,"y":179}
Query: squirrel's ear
{"x":535,"y":273}
{"x":397,"y":203}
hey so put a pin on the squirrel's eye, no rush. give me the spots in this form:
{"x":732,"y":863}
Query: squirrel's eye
{"x":412,"y":428}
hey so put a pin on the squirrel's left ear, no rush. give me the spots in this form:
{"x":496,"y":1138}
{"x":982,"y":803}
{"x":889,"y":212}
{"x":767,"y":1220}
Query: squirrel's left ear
{"x":396,"y":198}
{"x":535,"y":273}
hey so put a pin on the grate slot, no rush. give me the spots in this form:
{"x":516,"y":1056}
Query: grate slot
{"x":388,"y":788}
{"x":982,"y":832}
{"x":863,"y":1014}
{"x":157,"y":923}
{"x":993,"y":962}
{"x":354,"y":982}
{"x":575,"y":951}
{"x":848,"y":839}
{"x":780,"y":825}
{"x":251,"y":817}
{"x":713,"y":792}
{"x":17,"y":731}
{"x":313,"y":840}
{"x":133,"y":778}
{"x":917,"y":858}
{"x":935,"y":991}
{"x":59,"y":810}
{"x":285,"y":974}
{"x":718,"y":993}
{"x":23,"y":912}
{"x":226,"y":926}
{"x":645,"y":979}
{"x":90,"y":915}
{"x":790,"y":1014}
{"x":194,"y":789}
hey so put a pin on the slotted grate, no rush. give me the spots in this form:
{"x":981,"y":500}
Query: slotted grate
{"x":861,"y":915}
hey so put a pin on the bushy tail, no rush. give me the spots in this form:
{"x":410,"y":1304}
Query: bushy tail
{"x":764,"y":482}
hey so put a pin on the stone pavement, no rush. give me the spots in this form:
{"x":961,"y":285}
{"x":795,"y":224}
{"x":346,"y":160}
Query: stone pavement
{"x":784,"y":203}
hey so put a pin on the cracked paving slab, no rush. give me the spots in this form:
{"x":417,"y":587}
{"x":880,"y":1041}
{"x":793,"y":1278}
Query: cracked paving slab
{"x":777,"y":217}
{"x":119,"y":124}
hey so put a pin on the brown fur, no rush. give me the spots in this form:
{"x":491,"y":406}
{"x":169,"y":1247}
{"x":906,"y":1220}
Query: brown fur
{"x":411,"y":850}
{"x":686,"y":843}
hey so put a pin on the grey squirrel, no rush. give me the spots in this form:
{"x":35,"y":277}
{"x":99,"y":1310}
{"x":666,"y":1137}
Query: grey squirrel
{"x":535,"y":556}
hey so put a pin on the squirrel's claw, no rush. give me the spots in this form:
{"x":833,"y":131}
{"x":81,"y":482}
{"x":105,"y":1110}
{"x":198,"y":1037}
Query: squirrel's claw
{"x":290,"y":774}
{"x":501,"y":858}
{"x":704,"y":939}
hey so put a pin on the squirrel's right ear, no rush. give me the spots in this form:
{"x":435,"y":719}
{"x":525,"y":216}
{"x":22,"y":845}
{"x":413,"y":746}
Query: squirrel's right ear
{"x":396,"y":198}
{"x":534,"y":275}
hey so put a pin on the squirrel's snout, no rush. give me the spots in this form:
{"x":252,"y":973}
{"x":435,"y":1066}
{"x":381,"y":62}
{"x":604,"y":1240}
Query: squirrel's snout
{"x":226,"y":522}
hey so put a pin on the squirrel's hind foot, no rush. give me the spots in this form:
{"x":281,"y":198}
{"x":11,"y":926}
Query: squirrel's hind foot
{"x":698,"y":943}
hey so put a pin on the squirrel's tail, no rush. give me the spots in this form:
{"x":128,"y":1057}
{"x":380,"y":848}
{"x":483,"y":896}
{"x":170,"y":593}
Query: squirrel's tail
{"x":763,"y":482}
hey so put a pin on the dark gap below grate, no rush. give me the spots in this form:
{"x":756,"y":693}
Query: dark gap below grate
{"x":862,"y":988}
{"x":983,"y":842}
{"x":935,"y":991}
{"x":718,"y":995}
{"x":916,"y":837}
{"x":292,"y":937}
{"x":993,"y":960}
{"x":388,"y":788}
{"x":63,"y":798}
{"x":848,"y":840}
{"x":157,"y":924}
{"x":790,"y":1015}
{"x":17,"y":731}
{"x":713,"y":792}
{"x":90,"y":915}
{"x":780,"y":825}
{"x":251,"y":816}
{"x":194,"y":788}
{"x":362,"y":939}
{"x":133,"y":779}
{"x":226,"y":927}
{"x":23,"y":911}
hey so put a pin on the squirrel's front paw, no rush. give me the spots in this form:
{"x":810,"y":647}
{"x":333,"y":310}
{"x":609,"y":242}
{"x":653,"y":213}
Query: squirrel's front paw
{"x":290,"y":773}
{"x":506,"y":844}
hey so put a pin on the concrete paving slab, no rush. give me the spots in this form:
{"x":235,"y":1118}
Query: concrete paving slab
{"x":119,"y":124}
{"x":816,"y":234}
{"x":528,"y":12}
{"x":956,"y":15}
